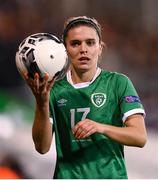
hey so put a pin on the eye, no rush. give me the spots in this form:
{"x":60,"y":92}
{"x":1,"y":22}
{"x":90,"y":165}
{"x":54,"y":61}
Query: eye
{"x":90,"y":42}
{"x":75,"y":43}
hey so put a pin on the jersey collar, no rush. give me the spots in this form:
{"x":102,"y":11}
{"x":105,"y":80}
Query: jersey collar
{"x":84,"y":84}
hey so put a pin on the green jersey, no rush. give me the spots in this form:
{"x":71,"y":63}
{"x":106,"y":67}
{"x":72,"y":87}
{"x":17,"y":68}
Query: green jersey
{"x":109,"y":99}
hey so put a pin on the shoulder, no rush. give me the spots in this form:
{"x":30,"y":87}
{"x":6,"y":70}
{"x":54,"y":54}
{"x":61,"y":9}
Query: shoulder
{"x":116,"y":80}
{"x":115,"y":76}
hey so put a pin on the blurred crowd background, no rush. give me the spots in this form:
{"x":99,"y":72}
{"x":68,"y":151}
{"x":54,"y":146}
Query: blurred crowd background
{"x":130,"y":30}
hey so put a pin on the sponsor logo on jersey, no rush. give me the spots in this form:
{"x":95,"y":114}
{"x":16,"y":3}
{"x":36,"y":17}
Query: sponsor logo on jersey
{"x":131,"y":99}
{"x":82,"y":140}
{"x":98,"y":99}
{"x":61,"y":102}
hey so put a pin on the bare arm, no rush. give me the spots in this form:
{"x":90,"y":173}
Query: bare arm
{"x":42,"y":128}
{"x":133,"y":134}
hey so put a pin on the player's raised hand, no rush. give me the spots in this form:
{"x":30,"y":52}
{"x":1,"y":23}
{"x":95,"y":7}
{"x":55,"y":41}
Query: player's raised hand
{"x":40,"y":86}
{"x":85,"y":128}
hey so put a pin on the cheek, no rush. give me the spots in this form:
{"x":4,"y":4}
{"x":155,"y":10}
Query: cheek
{"x":99,"y":50}
{"x":96,"y":52}
{"x":71,"y":52}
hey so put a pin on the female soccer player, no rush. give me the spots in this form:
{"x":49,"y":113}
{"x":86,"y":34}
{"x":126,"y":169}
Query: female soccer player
{"x":93,"y":112}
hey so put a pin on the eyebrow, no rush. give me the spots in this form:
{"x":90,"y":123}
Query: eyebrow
{"x":88,"y":39}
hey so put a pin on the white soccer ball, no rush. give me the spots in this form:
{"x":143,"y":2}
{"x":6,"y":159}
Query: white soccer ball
{"x":42,"y":53}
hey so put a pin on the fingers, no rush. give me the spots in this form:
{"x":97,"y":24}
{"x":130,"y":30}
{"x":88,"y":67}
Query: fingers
{"x":84,"y":129}
{"x":43,"y":83}
{"x":36,"y":82}
{"x":24,"y":74}
{"x":28,"y":80}
{"x":39,"y":85}
{"x":84,"y":133}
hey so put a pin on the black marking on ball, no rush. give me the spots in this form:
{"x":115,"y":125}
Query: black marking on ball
{"x":51,"y":56}
{"x":24,"y":50}
{"x":31,"y":41}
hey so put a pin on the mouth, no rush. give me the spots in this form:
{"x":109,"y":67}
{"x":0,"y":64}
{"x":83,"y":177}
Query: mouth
{"x":84,"y":59}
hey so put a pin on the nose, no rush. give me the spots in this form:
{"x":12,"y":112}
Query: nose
{"x":83,"y":48}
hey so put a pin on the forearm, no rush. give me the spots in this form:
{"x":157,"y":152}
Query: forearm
{"x":42,"y":129}
{"x":133,"y":134}
{"x":125,"y":135}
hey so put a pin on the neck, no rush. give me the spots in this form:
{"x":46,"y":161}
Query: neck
{"x":79,"y":77}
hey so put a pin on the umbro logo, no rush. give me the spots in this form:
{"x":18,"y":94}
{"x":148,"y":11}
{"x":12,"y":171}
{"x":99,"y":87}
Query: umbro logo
{"x":61,"y":102}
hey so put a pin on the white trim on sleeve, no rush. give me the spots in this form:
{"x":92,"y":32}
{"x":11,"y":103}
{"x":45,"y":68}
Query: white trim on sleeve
{"x":51,"y":120}
{"x":131,"y":112}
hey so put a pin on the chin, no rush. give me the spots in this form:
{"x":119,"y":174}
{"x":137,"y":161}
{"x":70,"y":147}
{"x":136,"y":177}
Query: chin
{"x":83,"y":69}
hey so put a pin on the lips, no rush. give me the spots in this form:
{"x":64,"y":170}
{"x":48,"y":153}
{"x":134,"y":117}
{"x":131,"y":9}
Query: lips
{"x":84,"y":59}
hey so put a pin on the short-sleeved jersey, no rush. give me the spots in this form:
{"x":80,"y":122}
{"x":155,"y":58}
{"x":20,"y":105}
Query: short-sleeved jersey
{"x":109,"y":99}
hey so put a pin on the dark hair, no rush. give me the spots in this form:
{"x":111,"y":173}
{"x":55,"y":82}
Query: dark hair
{"x":81,"y":20}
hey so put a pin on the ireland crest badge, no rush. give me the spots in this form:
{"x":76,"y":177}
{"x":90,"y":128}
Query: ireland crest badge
{"x":98,"y":99}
